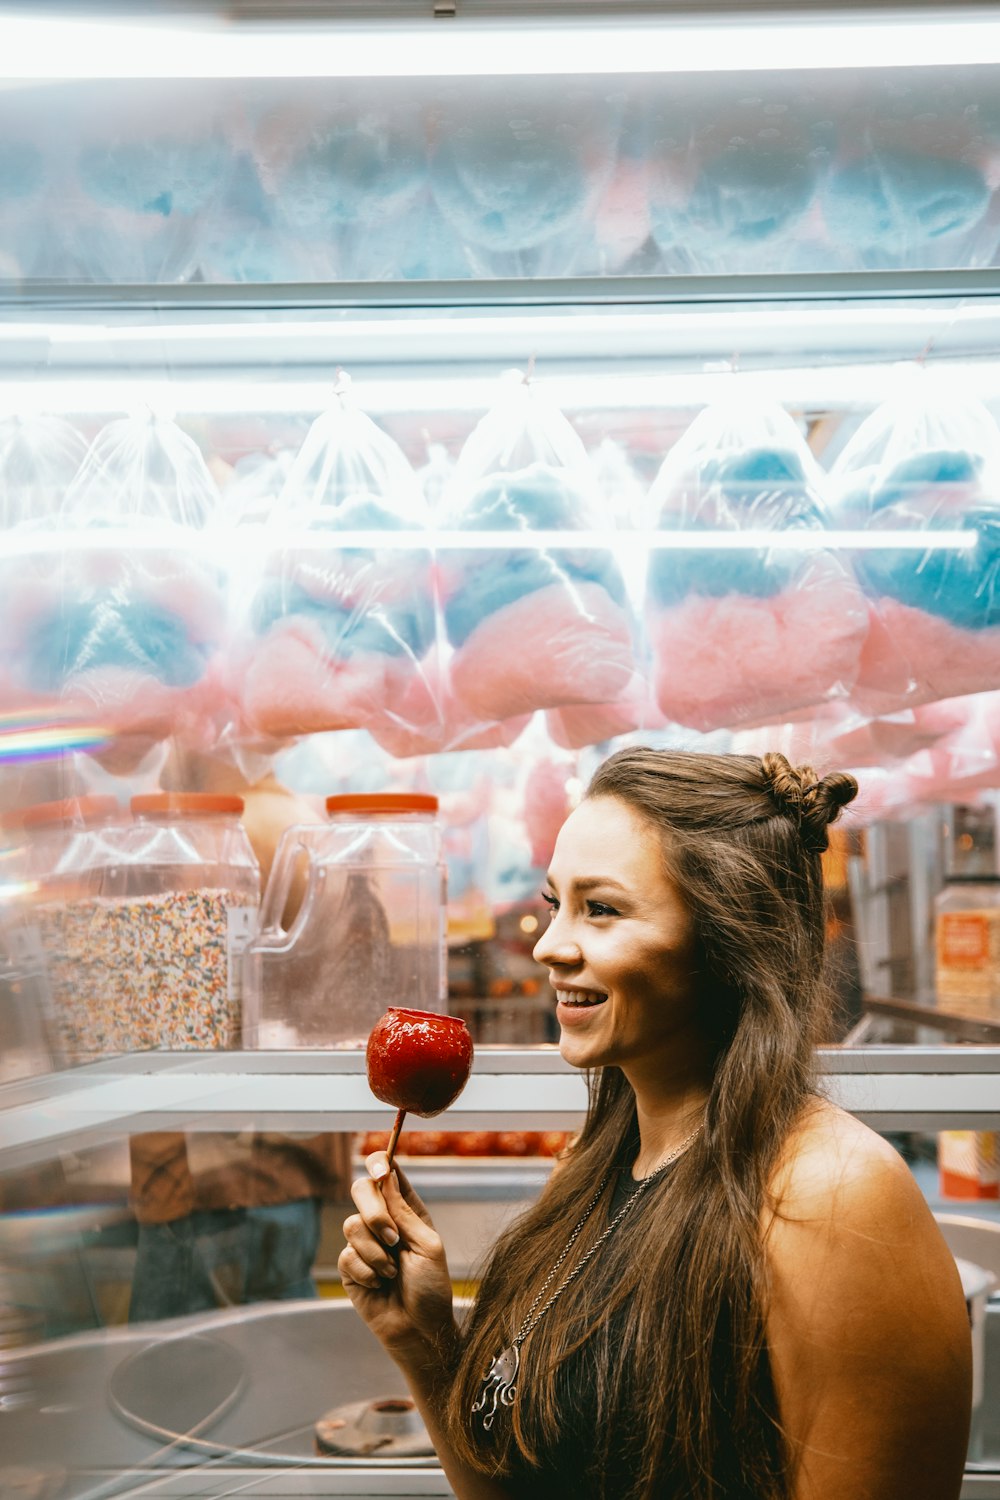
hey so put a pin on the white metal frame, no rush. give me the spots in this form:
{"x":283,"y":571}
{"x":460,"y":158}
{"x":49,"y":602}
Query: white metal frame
{"x":891,"y":1088}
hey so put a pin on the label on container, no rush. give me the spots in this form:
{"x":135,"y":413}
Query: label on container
{"x":968,"y":961}
{"x":968,"y":1164}
{"x":964,"y":939}
{"x":241,"y":925}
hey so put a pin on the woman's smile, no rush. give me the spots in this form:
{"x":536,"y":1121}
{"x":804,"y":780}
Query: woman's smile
{"x":573,"y":1003}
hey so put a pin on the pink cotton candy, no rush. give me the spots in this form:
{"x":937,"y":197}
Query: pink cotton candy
{"x":720,"y":662}
{"x":553,"y":647}
{"x":138,"y":712}
{"x":939,"y":660}
{"x":426,"y":719}
{"x":291,"y":685}
{"x":546,"y":807}
{"x":592,"y":723}
{"x":964,"y":762}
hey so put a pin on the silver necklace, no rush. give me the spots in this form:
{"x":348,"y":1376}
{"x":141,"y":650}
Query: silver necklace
{"x":500,"y":1383}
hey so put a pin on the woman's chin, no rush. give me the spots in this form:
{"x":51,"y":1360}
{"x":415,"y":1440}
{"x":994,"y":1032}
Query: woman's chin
{"x":578,"y":1051}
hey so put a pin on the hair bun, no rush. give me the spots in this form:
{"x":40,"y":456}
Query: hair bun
{"x":812,"y":804}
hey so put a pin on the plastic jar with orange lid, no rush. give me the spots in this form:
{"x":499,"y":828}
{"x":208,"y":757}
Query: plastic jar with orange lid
{"x":370,"y":931}
{"x":144,"y":928}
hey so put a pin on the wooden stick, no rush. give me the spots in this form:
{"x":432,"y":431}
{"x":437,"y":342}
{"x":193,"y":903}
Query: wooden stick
{"x":394,"y":1137}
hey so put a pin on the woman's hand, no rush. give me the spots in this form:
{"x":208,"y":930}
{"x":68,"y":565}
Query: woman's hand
{"x":394,"y":1268}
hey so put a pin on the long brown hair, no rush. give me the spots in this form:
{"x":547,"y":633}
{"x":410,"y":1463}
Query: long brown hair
{"x":682,"y":1384}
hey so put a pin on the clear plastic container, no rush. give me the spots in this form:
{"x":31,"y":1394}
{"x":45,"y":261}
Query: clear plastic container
{"x":967,"y":923}
{"x":143,"y":923}
{"x":370,"y":931}
{"x":57,"y":861}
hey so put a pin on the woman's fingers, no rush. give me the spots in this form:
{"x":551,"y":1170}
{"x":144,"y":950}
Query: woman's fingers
{"x":354,"y":1271}
{"x":410,"y":1195}
{"x":417,"y":1232}
{"x":371,"y":1250}
{"x":370,"y":1203}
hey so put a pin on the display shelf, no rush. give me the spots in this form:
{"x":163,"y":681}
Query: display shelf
{"x":891,"y":1088}
{"x":961,"y":1028}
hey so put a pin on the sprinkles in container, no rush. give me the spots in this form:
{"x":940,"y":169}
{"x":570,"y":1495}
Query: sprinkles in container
{"x":146,"y":951}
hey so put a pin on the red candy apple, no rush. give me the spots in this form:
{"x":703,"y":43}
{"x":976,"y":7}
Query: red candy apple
{"x":418,"y":1061}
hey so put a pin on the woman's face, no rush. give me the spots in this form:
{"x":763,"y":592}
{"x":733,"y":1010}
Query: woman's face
{"x":620,"y":946}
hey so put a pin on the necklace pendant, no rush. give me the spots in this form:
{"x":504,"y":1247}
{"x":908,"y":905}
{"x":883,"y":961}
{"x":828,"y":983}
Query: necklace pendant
{"x":499,"y":1387}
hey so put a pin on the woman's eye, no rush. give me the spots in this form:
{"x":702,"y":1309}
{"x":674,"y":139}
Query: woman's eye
{"x":550,"y":901}
{"x":600,"y":909}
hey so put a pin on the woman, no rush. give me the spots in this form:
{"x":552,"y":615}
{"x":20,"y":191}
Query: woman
{"x":730,"y":1288}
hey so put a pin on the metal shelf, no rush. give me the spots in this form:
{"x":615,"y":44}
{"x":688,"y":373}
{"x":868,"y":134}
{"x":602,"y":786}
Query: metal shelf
{"x":892,"y":1088}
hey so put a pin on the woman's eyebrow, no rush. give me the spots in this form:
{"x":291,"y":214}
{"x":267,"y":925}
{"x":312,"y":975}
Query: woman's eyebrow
{"x":592,"y":882}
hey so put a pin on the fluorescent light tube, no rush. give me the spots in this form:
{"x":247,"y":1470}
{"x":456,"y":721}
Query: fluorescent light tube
{"x":217,"y":541}
{"x":46,"y":46}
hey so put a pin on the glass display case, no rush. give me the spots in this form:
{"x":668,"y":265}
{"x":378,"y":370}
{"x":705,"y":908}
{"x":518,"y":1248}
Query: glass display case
{"x":426,"y":403}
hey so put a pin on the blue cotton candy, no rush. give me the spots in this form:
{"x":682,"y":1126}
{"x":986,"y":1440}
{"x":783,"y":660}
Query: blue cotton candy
{"x":507,"y":182}
{"x":354,"y":174}
{"x":892,"y":201}
{"x":920,"y":492}
{"x":22,"y":170}
{"x":395,"y":630}
{"x":156,"y":177}
{"x":498,"y":582}
{"x":240,"y":244}
{"x":746,"y":195}
{"x":105,"y":633}
{"x":534,"y":499}
{"x":759,"y":489}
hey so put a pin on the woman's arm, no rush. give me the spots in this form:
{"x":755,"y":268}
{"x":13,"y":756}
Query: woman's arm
{"x":867,"y":1330}
{"x":395,"y":1273}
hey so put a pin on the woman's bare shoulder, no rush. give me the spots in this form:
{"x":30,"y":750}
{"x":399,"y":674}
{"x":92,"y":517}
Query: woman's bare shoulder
{"x":832,"y":1163}
{"x":863,"y":1294}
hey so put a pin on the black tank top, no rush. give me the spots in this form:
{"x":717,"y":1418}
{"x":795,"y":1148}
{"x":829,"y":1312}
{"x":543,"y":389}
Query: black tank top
{"x":570,"y":1469}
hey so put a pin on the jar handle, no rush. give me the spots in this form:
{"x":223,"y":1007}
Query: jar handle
{"x":293,"y":842}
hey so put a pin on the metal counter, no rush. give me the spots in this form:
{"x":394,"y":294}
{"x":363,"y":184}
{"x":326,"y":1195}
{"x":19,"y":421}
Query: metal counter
{"x":225,"y":1404}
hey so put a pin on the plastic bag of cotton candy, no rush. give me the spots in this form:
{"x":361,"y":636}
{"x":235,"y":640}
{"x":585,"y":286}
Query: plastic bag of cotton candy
{"x":339,"y":627}
{"x":927,"y":462}
{"x":128,"y":628}
{"x":743,"y":628}
{"x":142,"y":174}
{"x":911,"y":176}
{"x":534,"y":184}
{"x":336,"y":188}
{"x":40,"y":457}
{"x":32,"y":186}
{"x":733,"y":175}
{"x":534,"y":605}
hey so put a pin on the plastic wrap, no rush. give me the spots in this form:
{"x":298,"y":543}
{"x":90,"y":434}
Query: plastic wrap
{"x":537,"y":626}
{"x":130,"y":635}
{"x":40,"y":457}
{"x":745,"y":635}
{"x":341,"y":636}
{"x":926,"y":460}
{"x":144,"y":172}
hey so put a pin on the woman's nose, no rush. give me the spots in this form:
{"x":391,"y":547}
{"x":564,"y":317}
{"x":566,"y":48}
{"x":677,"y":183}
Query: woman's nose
{"x":556,"y":945}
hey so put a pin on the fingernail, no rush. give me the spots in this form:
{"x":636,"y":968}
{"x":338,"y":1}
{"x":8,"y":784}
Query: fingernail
{"x":390,"y":1270}
{"x":390,"y":1236}
{"x":379,"y":1170}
